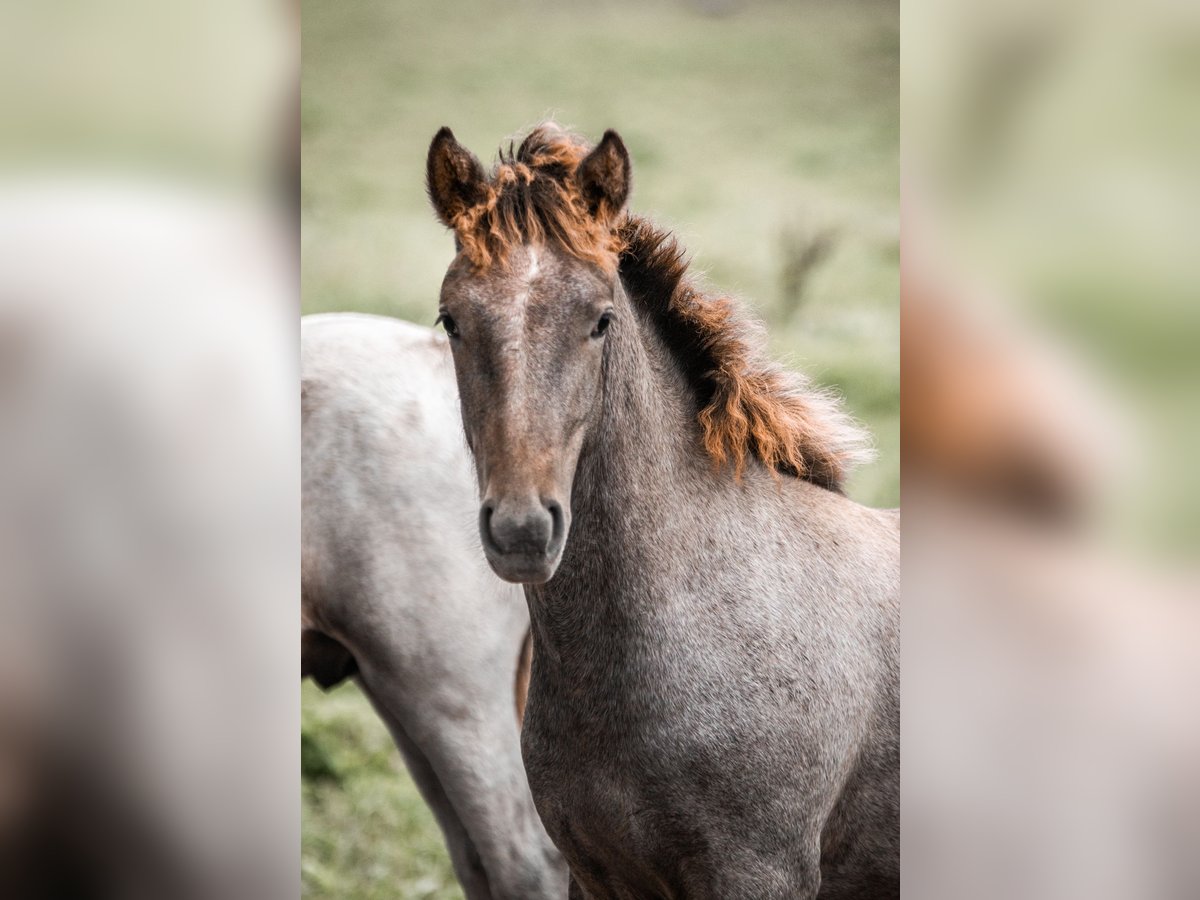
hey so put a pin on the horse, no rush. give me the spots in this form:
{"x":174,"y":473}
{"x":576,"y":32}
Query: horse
{"x":713,"y":706}
{"x":395,"y":591}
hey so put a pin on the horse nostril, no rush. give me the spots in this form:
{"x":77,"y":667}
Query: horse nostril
{"x":485,"y":525}
{"x":556,"y":524}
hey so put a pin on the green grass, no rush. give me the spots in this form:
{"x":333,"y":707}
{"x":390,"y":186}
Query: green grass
{"x":366,"y":832}
{"x":777,"y":119}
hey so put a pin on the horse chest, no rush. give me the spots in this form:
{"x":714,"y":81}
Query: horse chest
{"x":631,"y":821}
{"x":616,"y":845}
{"x":677,"y":775}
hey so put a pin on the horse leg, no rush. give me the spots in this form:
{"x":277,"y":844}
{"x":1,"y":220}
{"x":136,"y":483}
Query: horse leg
{"x":470,"y":753}
{"x":524,"y":667}
{"x":468,"y":866}
{"x":481,"y":771}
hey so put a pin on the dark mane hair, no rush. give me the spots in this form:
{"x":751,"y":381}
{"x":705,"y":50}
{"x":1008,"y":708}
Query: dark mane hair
{"x":748,"y":405}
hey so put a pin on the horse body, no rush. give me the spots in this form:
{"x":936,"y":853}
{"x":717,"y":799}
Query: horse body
{"x":713,"y":708}
{"x":396,"y":592}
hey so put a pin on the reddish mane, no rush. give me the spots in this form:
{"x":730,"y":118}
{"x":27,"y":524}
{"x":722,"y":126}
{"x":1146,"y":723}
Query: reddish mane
{"x":747,"y":404}
{"x":530,"y":197}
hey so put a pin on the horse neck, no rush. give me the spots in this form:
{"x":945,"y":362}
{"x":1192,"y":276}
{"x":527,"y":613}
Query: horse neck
{"x":639,"y":487}
{"x":647,"y":435}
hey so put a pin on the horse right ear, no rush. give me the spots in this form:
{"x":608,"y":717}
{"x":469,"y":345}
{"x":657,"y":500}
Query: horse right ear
{"x":604,"y":178}
{"x":453,"y":177}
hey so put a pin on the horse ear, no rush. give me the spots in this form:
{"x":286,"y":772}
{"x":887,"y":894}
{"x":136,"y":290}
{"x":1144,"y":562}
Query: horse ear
{"x":604,"y":177}
{"x":453,"y":177}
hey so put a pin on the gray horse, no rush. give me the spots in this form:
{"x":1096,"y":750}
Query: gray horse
{"x":396,"y":591}
{"x":714,"y":703}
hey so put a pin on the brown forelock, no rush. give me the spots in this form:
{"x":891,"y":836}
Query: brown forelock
{"x":532,"y":197}
{"x":747,"y":404}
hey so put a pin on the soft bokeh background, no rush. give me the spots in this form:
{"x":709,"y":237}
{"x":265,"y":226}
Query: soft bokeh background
{"x":1050,"y":163}
{"x":765,"y":134}
{"x":1051,"y":607}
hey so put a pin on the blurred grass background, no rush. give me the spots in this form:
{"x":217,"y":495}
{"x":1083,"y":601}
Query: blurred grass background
{"x":765,"y":134}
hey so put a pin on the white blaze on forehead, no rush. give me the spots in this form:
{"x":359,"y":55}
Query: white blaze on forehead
{"x":515,"y":345}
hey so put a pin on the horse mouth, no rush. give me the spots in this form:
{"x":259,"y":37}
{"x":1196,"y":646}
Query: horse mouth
{"x":524,"y":568}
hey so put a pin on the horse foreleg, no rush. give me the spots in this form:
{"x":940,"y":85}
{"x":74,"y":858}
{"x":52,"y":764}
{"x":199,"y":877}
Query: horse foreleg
{"x":464,"y":856}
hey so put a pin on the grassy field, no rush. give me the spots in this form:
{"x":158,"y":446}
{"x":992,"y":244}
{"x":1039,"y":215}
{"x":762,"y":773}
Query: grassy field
{"x":766,"y":135}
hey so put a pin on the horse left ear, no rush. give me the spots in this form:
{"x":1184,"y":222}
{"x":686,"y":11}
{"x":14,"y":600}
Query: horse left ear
{"x":604,"y":177}
{"x":453,"y":177}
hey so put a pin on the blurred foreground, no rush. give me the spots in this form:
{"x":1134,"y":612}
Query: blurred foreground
{"x":148,"y":452}
{"x":1050,"y":329}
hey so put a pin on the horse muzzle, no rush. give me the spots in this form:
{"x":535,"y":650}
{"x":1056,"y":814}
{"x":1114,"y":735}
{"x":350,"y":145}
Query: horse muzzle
{"x":523,"y":539}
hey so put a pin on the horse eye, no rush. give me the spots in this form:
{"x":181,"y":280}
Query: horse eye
{"x":602,"y":325}
{"x":448,"y":324}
